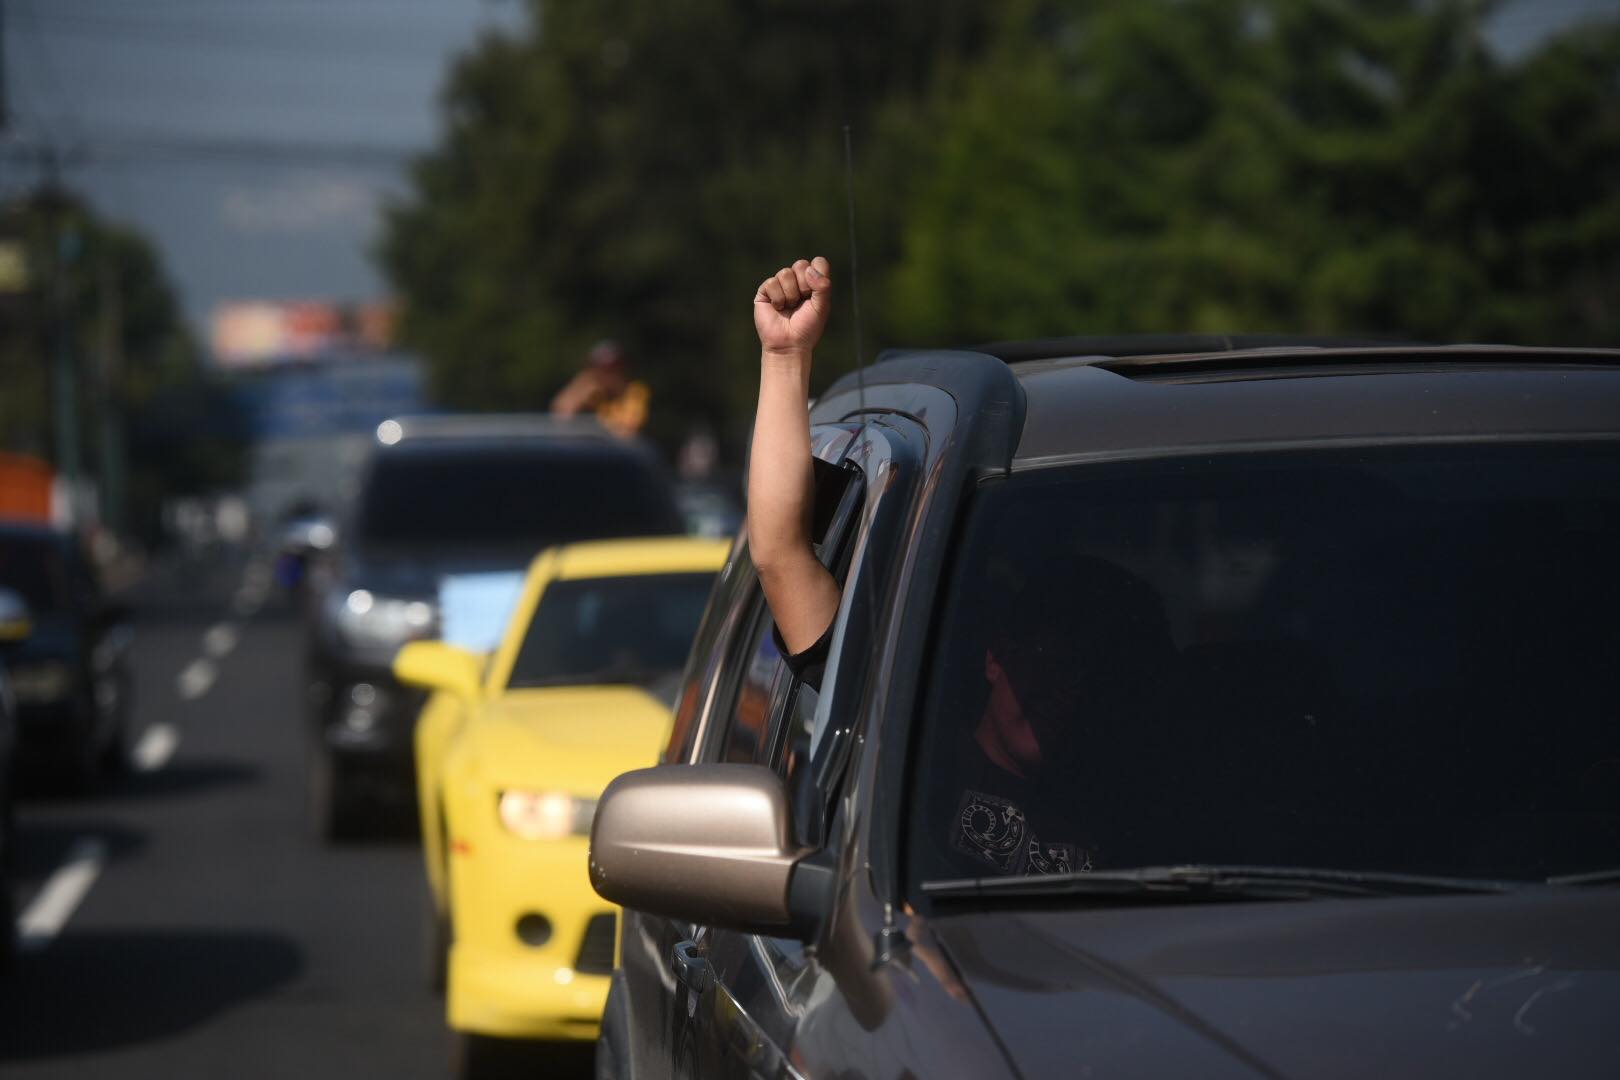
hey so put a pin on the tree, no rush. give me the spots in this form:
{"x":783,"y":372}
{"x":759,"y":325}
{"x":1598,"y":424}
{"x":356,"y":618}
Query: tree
{"x":1029,"y":168}
{"x":632,"y":170}
{"x":106,"y":284}
{"x":1287,"y":165}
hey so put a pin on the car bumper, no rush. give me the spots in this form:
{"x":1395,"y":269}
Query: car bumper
{"x":365,"y":719}
{"x":505,"y":980}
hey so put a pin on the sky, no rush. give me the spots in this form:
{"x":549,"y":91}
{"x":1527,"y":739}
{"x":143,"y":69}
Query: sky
{"x":257,"y":141}
{"x":254,"y":140}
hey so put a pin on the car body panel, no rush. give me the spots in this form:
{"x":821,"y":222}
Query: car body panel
{"x":1358,"y":401}
{"x":1520,"y":985}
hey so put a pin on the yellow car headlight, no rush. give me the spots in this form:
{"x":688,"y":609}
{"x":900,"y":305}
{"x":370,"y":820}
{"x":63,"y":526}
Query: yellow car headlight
{"x":545,"y":815}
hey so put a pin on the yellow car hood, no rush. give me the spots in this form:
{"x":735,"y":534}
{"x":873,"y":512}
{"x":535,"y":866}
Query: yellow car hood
{"x":570,"y":738}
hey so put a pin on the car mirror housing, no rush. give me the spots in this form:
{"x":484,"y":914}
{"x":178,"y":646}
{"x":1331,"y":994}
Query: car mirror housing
{"x":16,"y":621}
{"x":711,"y":844}
{"x":435,"y":665}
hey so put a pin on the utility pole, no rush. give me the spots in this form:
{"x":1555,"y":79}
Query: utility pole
{"x":5,"y":112}
{"x":64,"y":373}
{"x":111,"y":442}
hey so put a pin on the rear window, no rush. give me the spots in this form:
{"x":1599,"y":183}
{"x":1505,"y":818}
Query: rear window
{"x":527,"y":496}
{"x":635,"y":629}
{"x":1398,"y":660}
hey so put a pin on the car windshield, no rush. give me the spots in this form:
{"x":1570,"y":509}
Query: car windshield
{"x":33,"y":567}
{"x":1398,"y":660}
{"x":634,"y":629}
{"x":532,"y":496}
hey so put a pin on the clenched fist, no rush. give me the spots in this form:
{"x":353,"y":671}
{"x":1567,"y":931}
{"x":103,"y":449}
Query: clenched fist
{"x":791,"y":307}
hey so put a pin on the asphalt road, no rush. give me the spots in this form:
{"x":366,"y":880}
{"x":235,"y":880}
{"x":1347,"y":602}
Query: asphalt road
{"x":204,"y":931}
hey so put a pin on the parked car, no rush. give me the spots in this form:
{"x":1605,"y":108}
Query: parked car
{"x":447,"y":495}
{"x":70,"y":673}
{"x":1219,"y":711}
{"x":512,"y":752}
{"x":15,"y":624}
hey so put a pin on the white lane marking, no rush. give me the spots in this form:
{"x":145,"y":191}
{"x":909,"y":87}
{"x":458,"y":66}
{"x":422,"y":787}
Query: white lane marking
{"x":196,"y":680}
{"x":56,"y":902}
{"x":155,"y":747}
{"x":220,"y":640}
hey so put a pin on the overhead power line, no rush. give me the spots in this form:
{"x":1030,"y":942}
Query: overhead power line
{"x":97,"y":148}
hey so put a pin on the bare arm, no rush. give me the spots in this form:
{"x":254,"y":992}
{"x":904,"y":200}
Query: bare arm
{"x":790,"y":312}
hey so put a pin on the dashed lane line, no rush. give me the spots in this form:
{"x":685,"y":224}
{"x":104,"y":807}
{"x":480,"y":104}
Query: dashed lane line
{"x":220,"y":640}
{"x":196,"y":679}
{"x":155,"y":747}
{"x":50,"y":910}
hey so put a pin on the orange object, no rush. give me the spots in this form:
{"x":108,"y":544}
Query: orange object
{"x":25,"y":487}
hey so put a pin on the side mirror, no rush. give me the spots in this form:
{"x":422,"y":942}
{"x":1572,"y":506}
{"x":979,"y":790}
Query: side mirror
{"x":710,"y":844}
{"x":435,"y":665}
{"x":16,"y":621}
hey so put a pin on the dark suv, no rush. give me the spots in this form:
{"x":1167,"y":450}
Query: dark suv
{"x":440,"y":496}
{"x":1313,"y":767}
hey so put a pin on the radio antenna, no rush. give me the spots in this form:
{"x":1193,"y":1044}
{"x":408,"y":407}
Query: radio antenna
{"x":854,"y":264}
{"x":890,"y":940}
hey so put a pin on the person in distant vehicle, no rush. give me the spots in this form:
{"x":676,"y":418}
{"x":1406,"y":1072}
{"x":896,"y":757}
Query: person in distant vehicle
{"x":606,"y":389}
{"x":1047,"y":654}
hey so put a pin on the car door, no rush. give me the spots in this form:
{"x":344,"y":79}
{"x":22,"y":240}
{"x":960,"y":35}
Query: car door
{"x":733,"y":669}
{"x":740,"y":996}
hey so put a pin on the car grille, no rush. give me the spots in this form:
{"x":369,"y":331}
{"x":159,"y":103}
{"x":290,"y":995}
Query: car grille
{"x":596,"y":951}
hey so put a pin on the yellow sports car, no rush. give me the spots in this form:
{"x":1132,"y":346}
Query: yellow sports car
{"x":513,"y":750}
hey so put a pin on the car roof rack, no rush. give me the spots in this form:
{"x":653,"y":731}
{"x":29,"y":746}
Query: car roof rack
{"x":1119,"y":346}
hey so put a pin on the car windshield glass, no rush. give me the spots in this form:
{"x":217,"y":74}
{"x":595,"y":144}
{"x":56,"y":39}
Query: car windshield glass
{"x":33,"y":568}
{"x":532,"y":496}
{"x":1398,"y":660}
{"x":635,"y":629}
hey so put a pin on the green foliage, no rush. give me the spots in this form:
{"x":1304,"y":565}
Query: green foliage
{"x":107,"y":285}
{"x":1029,"y":168}
{"x":1292,"y":165}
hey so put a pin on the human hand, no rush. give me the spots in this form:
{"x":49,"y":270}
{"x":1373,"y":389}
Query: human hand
{"x":791,"y":307}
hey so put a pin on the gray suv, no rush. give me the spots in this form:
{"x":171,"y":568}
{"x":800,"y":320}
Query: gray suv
{"x":1317,"y":771}
{"x":446,"y":495}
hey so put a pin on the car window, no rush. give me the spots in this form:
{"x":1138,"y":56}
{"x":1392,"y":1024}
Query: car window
{"x":1384,"y":660}
{"x":547,"y":494}
{"x":631,"y":629}
{"x":34,"y":567}
{"x":747,"y":725}
{"x":756,"y":724}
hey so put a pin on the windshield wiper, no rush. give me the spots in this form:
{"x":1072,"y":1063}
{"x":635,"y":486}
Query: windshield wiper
{"x":1611,"y":876}
{"x":1199,"y":883}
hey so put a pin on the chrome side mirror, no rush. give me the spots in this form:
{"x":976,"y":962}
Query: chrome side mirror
{"x":711,"y":844}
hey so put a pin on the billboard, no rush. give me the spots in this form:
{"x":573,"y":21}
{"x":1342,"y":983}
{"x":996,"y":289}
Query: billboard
{"x":260,"y":333}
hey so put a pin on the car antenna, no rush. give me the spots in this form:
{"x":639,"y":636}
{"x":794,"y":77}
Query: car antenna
{"x":854,"y":267}
{"x":891,"y":940}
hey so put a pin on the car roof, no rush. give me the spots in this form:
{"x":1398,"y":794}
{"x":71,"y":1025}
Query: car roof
{"x":627,"y":558}
{"x":1092,"y":405}
{"x":1059,"y":398}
